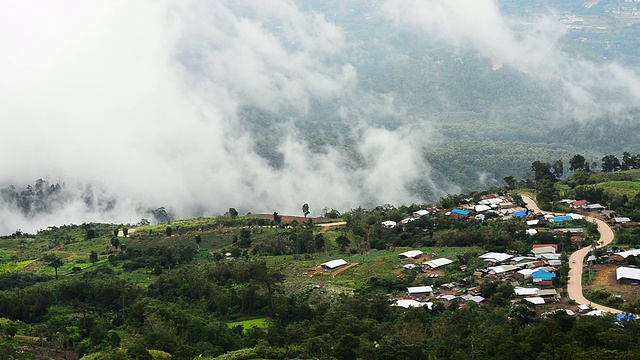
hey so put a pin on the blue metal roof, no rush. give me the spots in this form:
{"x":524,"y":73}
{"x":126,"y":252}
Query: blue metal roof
{"x":520,"y":214}
{"x":625,"y":317}
{"x":460,"y":212}
{"x":543,"y":275}
{"x":561,"y":218}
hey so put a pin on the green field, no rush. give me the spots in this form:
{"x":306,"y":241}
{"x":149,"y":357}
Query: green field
{"x":629,"y":188}
{"x":260,"y":323}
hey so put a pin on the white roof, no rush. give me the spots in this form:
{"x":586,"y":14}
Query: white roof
{"x":569,"y":312}
{"x":533,"y":222}
{"x":575,"y":216}
{"x":405,"y":303}
{"x":419,"y":289}
{"x":407,"y":220}
{"x":502,"y":269}
{"x":596,"y":313}
{"x":389,"y":223}
{"x":594,"y":206}
{"x":544,"y":250}
{"x":447,"y":297}
{"x":410,"y":266}
{"x":535,"y":300}
{"x":555,"y":262}
{"x":551,"y":256}
{"x":583,"y":307}
{"x":411,"y":253}
{"x":334,"y":263}
{"x":438,"y":262}
{"x":481,"y":208}
{"x":520,"y":291}
{"x":624,"y":254}
{"x":621,"y":219}
{"x":496,"y":257}
{"x":532,"y":231}
{"x":627,"y":273}
{"x":527,"y":272}
{"x":420,"y":213}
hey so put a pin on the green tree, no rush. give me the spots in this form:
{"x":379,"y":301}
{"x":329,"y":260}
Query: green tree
{"x":115,"y":242}
{"x":343,"y":241}
{"x":305,"y":209}
{"x":319,"y":242}
{"x":578,"y":162}
{"x":610,"y":163}
{"x":125,"y":232}
{"x":510,"y":181}
{"x":198,"y":239}
{"x":277,"y":219}
{"x":233,"y":213}
{"x":93,"y":257}
{"x":169,"y":231}
{"x":541,"y":170}
{"x":54,"y":261}
{"x":558,"y":169}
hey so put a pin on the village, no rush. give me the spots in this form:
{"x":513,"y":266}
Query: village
{"x":532,"y":276}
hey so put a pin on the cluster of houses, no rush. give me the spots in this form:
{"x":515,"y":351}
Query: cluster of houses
{"x":537,"y":269}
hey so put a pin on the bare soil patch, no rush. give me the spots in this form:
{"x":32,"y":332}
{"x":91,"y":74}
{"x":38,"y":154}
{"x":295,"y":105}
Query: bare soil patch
{"x":44,"y":353}
{"x":605,"y":278}
{"x":33,"y":266}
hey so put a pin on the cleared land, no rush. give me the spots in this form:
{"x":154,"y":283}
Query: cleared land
{"x":605,"y":278}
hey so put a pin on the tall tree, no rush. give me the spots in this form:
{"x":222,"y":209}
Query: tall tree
{"x":541,"y":170}
{"x":558,"y":169}
{"x":510,"y":181}
{"x":54,"y":261}
{"x":233,"y":213}
{"x":93,"y":257}
{"x":277,"y":219}
{"x":610,"y":163}
{"x":578,"y":162}
{"x":305,"y":209}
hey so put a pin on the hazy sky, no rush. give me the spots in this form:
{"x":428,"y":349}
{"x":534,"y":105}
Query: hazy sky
{"x":143,"y":100}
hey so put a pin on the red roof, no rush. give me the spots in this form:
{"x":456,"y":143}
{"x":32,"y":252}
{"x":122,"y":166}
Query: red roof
{"x":536,"y":246}
{"x":579,"y":203}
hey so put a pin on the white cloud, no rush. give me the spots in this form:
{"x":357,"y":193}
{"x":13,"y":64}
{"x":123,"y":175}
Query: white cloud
{"x":142,"y":100}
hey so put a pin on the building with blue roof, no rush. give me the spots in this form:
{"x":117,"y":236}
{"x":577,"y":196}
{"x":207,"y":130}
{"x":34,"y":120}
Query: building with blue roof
{"x":543,"y":275}
{"x":459,"y":212}
{"x":561,"y":218}
{"x":520,"y":214}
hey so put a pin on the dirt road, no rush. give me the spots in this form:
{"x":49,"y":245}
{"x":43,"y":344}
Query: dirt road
{"x":327,"y":226}
{"x":574,"y":286}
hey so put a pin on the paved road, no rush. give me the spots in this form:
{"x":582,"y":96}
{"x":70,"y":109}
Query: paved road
{"x":574,"y":285}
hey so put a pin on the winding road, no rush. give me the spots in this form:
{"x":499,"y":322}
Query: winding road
{"x":576,"y":261}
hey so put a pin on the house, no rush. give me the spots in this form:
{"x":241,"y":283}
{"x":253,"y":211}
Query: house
{"x":578,"y":204}
{"x":411,"y":254}
{"x":482,"y":208}
{"x":554,"y":246}
{"x":389,"y":224}
{"x":625,"y":254}
{"x":434,"y":264}
{"x":521,"y":291}
{"x":561,"y":218}
{"x":409,"y":266}
{"x":496,"y":270}
{"x":550,"y":295}
{"x":627,"y":275}
{"x":333,"y":264}
{"x":460,"y":212}
{"x":477,"y":299}
{"x":583,"y":308}
{"x":494,"y":257}
{"x":408,"y":303}
{"x":542,"y":275}
{"x":531,"y":231}
{"x":534,"y":222}
{"x":419,"y":290}
{"x":543,"y":250}
{"x":550,"y":256}
{"x":536,"y":300}
{"x":420,"y":213}
{"x":575,"y":216}
{"x":520,"y":214}
{"x":595,"y":207}
{"x":621,"y":220}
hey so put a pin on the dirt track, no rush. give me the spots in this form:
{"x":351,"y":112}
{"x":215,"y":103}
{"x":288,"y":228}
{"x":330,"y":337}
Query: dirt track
{"x":574,"y":285}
